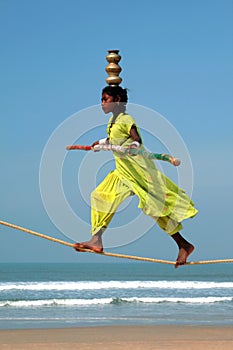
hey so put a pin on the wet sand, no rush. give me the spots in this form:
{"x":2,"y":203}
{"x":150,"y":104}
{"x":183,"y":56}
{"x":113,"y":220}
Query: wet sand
{"x":120,"y":337}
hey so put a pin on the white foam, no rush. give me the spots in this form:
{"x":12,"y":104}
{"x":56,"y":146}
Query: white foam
{"x":104,"y":301}
{"x":86,"y":285}
{"x":197,"y":300}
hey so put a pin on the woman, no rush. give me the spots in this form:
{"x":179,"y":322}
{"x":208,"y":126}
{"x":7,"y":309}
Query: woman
{"x":158,"y":196}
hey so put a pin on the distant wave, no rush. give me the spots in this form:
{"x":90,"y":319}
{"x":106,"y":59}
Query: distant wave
{"x":104,"y":301}
{"x":92,"y":285}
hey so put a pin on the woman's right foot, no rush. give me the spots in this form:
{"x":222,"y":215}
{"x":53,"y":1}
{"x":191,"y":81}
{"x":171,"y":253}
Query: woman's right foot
{"x":185,"y":249}
{"x":183,"y":255}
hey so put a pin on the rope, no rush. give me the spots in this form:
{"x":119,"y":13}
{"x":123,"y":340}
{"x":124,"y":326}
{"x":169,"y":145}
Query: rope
{"x":122,"y":256}
{"x":36,"y":233}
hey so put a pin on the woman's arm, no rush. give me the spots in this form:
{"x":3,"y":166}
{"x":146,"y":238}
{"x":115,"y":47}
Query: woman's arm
{"x":135,"y":136}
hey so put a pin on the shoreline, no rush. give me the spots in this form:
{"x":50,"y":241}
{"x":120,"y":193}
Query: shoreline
{"x":156,"y":337}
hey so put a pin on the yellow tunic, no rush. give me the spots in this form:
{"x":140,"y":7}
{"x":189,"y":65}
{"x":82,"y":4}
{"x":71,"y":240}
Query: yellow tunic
{"x":159,"y":197}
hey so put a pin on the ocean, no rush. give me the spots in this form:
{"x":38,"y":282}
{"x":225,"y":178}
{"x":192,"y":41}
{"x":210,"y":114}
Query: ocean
{"x":80,"y":294}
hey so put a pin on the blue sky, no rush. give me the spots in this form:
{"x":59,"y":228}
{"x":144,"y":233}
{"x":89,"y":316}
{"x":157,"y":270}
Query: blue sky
{"x":177,"y":59}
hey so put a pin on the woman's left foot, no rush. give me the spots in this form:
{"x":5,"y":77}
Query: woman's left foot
{"x":94,"y":244}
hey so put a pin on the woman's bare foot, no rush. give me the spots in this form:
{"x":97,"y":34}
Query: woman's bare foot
{"x":185,"y":249}
{"x":94,"y":244}
{"x":183,"y":255}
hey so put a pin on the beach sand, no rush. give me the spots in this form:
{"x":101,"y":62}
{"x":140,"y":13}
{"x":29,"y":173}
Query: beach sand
{"x":120,"y":337}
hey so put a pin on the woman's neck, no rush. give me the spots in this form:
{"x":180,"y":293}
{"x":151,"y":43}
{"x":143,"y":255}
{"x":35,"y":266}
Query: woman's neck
{"x":117,"y":112}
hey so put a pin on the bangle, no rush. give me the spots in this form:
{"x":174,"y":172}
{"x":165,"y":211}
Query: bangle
{"x":136,"y":143}
{"x":103,"y":141}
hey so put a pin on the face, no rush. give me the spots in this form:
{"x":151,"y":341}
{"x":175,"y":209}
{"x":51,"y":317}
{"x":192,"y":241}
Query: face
{"x":107,"y":103}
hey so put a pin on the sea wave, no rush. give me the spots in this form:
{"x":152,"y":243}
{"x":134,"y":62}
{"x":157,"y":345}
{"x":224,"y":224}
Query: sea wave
{"x":97,"y":285}
{"x":104,"y":301}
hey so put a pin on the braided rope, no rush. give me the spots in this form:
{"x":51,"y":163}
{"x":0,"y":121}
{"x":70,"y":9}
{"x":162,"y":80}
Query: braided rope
{"x":123,"y":256}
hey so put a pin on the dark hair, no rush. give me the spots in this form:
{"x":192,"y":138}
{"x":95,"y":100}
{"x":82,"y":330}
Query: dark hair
{"x":116,"y":91}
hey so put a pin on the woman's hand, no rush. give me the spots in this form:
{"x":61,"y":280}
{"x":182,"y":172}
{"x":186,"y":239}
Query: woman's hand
{"x":94,"y":144}
{"x":100,"y":142}
{"x":135,"y":145}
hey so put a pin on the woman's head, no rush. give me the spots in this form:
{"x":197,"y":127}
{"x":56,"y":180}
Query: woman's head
{"x":116,"y":92}
{"x":114,"y":99}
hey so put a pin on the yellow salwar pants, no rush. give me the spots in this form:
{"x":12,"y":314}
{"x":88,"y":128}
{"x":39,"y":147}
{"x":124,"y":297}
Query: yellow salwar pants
{"x":107,"y":197}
